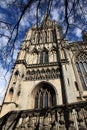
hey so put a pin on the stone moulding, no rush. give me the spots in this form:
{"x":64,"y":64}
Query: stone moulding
{"x":48,"y":118}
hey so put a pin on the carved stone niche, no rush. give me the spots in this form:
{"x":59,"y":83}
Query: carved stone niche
{"x":26,"y":126}
{"x":81,"y":119}
{"x":71,"y":121}
{"x":61,"y":121}
{"x":6,"y":126}
{"x":85,"y":114}
{"x":22,"y":125}
{"x":54,"y":126}
{"x":72,"y":127}
{"x":82,"y":127}
{"x":30,"y":124}
{"x":80,"y":116}
{"x":23,"y":122}
{"x":62,"y":127}
{"x":46,"y":123}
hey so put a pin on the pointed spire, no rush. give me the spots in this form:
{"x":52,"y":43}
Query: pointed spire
{"x":46,"y":16}
{"x":46,"y":20}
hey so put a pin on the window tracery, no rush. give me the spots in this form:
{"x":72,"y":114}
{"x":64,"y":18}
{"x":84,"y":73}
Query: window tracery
{"x":51,"y":35}
{"x":81,"y":64}
{"x":45,"y":97}
{"x":53,"y":54}
{"x":43,"y":56}
{"x":36,"y":100}
{"x":44,"y":36}
{"x":35,"y":50}
{"x":42,"y":74}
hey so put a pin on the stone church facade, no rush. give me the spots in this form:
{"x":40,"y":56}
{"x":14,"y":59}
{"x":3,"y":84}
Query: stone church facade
{"x":48,"y":86}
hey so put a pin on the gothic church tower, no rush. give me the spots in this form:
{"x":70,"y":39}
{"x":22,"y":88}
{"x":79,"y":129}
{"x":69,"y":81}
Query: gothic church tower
{"x":46,"y":76}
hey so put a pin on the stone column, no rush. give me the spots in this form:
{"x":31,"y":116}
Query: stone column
{"x":77,"y":78}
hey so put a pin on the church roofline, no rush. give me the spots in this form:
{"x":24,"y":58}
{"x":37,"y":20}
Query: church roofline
{"x":44,"y":20}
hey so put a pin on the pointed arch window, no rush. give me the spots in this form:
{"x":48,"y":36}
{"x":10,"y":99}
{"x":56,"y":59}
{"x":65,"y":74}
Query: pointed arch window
{"x":46,"y":100}
{"x":43,"y":57}
{"x":11,"y":91}
{"x":53,"y":53}
{"x":41,"y":100}
{"x":81,"y":64}
{"x":36,"y":100}
{"x":44,"y":36}
{"x":45,"y":97}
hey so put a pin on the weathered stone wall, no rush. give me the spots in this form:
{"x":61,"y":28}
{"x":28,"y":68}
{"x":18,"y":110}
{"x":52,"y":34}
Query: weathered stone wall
{"x":70,"y":117}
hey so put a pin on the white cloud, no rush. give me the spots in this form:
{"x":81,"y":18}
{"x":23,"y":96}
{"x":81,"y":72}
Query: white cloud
{"x":78,"y":32}
{"x":28,"y":18}
{"x":4,"y":3}
{"x":55,"y":14}
{"x":2,"y":88}
{"x":15,"y":54}
{"x":4,"y":32}
{"x":4,"y":78}
{"x":2,"y":16}
{"x":3,"y":41}
{"x":24,"y":22}
{"x":71,"y":20}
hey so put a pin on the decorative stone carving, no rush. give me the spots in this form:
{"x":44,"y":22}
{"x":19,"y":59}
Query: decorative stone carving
{"x":82,"y":127}
{"x":45,"y":120}
{"x":42,"y":74}
{"x":29,"y":125}
{"x":46,"y":123}
{"x":71,"y":117}
{"x":72,"y":127}
{"x":61,"y":121}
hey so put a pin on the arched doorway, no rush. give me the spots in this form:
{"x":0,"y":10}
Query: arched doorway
{"x":44,"y":96}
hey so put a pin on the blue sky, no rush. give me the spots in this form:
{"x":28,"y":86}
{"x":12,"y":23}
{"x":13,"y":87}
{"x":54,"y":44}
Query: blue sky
{"x":11,"y":12}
